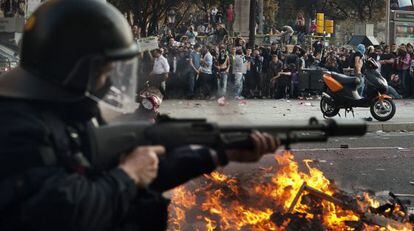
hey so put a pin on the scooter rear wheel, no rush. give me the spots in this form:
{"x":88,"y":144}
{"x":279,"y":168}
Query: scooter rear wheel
{"x":328,"y":107}
{"x":383,"y":111}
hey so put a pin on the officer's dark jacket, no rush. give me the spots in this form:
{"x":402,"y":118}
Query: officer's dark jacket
{"x":43,"y":188}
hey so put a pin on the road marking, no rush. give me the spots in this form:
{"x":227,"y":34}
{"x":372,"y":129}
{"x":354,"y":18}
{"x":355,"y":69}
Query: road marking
{"x":339,"y":149}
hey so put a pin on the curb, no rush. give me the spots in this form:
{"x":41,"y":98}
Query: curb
{"x":391,"y":127}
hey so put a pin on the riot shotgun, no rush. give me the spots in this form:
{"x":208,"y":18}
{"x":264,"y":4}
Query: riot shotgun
{"x":112,"y":140}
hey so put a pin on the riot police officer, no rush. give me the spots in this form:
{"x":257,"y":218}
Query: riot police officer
{"x":70,"y":52}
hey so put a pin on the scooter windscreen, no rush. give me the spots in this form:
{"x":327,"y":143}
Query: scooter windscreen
{"x":375,"y":81}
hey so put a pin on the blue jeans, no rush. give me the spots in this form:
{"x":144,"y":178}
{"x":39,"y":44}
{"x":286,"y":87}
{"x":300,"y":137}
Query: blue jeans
{"x":222,"y":84}
{"x":361,"y":85}
{"x":238,"y":84}
{"x":191,"y":82}
{"x":405,"y":82}
{"x":393,"y":93}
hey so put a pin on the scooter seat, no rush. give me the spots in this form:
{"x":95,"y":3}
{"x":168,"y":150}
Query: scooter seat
{"x":346,"y":80}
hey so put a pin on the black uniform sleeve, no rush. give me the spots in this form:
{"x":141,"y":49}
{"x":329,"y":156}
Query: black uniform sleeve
{"x":51,"y":198}
{"x":73,"y":202}
{"x":182,"y":165}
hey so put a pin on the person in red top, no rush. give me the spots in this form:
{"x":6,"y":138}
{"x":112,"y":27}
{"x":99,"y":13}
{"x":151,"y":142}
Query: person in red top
{"x":230,"y":17}
{"x":403,"y":63}
{"x":410,"y":50}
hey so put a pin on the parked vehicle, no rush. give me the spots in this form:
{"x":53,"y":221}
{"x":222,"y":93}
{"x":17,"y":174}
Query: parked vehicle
{"x":341,"y":93}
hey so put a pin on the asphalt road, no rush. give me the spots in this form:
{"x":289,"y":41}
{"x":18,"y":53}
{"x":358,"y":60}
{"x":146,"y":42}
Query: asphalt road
{"x":269,"y":111}
{"x":378,"y":161}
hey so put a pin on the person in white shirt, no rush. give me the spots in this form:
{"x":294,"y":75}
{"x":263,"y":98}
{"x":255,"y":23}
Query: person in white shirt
{"x":159,"y":73}
{"x":205,"y":77}
{"x":239,"y":69}
{"x":192,"y":35}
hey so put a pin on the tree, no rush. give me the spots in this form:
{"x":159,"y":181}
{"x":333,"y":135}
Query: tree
{"x":147,"y":13}
{"x":205,"y":5}
{"x":362,"y":10}
{"x":270,"y":9}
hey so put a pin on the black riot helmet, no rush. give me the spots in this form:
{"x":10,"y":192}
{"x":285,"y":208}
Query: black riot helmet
{"x":66,"y":44}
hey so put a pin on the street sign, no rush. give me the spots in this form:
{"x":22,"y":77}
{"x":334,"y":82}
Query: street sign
{"x":329,"y":26}
{"x":320,"y":23}
{"x":32,"y":6}
{"x":13,"y":24}
{"x":404,"y":16}
{"x":147,"y":44}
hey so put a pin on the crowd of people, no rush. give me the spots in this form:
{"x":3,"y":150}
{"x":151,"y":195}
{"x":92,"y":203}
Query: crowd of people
{"x":237,"y":71}
{"x":202,"y":61}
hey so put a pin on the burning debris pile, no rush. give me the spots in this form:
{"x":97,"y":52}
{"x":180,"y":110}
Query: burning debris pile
{"x":280,"y":199}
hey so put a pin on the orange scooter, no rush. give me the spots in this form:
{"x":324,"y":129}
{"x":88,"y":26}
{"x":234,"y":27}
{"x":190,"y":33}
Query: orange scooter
{"x":341,"y":93}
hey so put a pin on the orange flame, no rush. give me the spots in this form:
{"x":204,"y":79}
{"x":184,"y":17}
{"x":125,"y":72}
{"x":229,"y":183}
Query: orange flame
{"x":225,"y":204}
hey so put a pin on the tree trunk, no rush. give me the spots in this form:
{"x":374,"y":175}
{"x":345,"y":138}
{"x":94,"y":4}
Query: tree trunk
{"x":252,"y":24}
{"x":153,"y":24}
{"x":260,"y":5}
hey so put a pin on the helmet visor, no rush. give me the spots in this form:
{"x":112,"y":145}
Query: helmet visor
{"x":119,"y":82}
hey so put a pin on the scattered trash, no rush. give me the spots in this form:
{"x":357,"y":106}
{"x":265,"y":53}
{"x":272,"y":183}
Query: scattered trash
{"x":287,"y":101}
{"x":308,"y":104}
{"x":379,"y":169}
{"x":382,"y":193}
{"x":379,"y":131}
{"x":410,"y":210}
{"x":242,"y":102}
{"x":411,"y":182}
{"x":345,"y":146}
{"x":221,"y":101}
{"x":331,"y":164}
{"x":322,"y":161}
{"x":369,"y":119}
{"x":400,"y":148}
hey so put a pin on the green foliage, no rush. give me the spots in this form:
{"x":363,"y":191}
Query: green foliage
{"x":149,"y":13}
{"x":270,"y":9}
{"x":362,"y":10}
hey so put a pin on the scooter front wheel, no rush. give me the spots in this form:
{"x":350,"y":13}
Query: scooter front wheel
{"x":328,"y":107}
{"x":383,"y":110}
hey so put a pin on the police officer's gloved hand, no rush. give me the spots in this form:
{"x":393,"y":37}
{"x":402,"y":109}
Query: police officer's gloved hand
{"x":142,"y":164}
{"x":264,"y":144}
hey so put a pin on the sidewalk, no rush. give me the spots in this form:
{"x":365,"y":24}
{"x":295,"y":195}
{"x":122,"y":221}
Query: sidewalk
{"x":273,"y":112}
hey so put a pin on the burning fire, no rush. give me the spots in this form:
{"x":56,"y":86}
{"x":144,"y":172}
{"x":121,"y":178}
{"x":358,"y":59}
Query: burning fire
{"x":223,"y":203}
